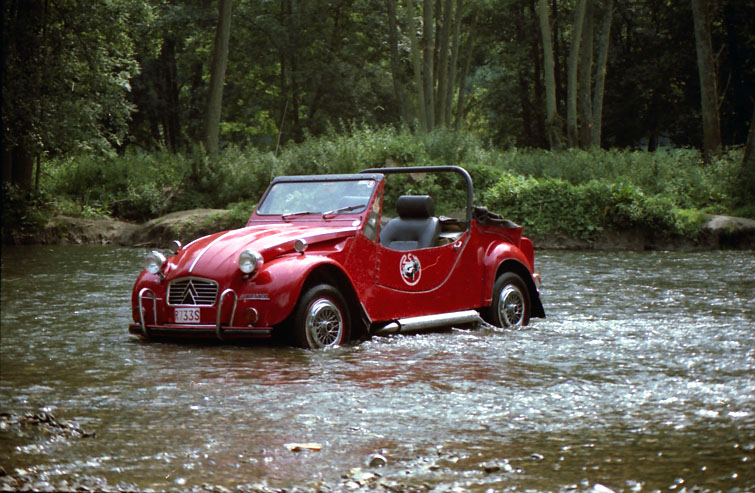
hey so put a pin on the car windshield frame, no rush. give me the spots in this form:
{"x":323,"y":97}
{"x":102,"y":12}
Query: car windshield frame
{"x":321,"y":197}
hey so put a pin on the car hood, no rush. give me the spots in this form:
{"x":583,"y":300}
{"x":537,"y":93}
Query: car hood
{"x":217,"y":254}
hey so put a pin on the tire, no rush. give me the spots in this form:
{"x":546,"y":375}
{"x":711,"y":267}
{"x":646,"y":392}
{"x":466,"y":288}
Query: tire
{"x":511,"y":305}
{"x":321,"y":318}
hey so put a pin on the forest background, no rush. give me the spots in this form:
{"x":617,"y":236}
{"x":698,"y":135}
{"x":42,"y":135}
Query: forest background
{"x":573,"y":116}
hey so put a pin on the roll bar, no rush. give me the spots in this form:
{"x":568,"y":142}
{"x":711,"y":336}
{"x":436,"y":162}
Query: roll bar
{"x":433,"y":169}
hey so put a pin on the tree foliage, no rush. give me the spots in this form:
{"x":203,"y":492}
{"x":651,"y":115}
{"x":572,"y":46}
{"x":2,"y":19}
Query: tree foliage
{"x":68,"y":68}
{"x":104,"y":76}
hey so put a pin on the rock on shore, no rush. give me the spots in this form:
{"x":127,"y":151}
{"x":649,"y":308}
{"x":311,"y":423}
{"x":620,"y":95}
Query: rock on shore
{"x":184,"y":226}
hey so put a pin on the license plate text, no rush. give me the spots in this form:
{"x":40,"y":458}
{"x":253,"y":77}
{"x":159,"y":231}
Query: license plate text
{"x":187,"y":316}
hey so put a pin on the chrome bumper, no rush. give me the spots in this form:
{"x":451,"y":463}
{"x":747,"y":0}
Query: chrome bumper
{"x":219,"y":331}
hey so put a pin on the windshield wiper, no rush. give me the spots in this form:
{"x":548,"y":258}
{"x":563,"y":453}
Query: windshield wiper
{"x":343,"y":209}
{"x":300,"y":213}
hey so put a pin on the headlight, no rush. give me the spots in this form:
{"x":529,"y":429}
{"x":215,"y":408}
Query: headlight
{"x":154,"y":262}
{"x":249,"y":261}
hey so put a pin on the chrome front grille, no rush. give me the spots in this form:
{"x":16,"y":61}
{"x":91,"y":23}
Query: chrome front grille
{"x":192,"y":291}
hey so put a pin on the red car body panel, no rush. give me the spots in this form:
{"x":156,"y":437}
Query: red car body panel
{"x":343,"y":247}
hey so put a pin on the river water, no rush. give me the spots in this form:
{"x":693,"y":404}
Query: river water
{"x":641,"y":378}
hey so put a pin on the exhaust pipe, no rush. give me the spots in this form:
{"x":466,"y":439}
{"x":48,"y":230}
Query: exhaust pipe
{"x":419,"y":324}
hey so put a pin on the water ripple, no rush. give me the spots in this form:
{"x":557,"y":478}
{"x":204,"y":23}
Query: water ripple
{"x":641,"y":377}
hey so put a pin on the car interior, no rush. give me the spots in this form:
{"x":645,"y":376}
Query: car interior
{"x":415,"y":227}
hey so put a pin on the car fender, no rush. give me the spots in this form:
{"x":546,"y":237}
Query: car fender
{"x":504,"y":257}
{"x":284,"y":278}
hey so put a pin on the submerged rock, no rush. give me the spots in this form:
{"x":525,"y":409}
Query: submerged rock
{"x":377,"y":460}
{"x":44,"y":420}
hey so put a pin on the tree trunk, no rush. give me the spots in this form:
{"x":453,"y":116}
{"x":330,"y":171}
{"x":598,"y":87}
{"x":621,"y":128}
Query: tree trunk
{"x":18,"y":134}
{"x":197,"y":101}
{"x":535,"y":49}
{"x":558,"y":63}
{"x":749,"y":155}
{"x":21,"y":167}
{"x":463,"y":79}
{"x":398,"y":88}
{"x":707,"y":71}
{"x":283,"y":100}
{"x":525,"y":100}
{"x":572,"y":74}
{"x":748,"y":161}
{"x":428,"y":49}
{"x":172,"y":128}
{"x":416,"y":64}
{"x":298,"y":132}
{"x":452,"y":65}
{"x":333,"y":52}
{"x":444,"y":42}
{"x":217,"y":77}
{"x":438,"y":24}
{"x":584,"y":100}
{"x":600,"y":75}
{"x":552,"y":120}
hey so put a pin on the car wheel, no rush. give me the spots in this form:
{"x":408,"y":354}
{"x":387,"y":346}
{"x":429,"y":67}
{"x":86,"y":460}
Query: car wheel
{"x":511,"y":302}
{"x":321,"y":318}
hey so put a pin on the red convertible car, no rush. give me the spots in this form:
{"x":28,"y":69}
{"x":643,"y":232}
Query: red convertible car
{"x":320,"y":264}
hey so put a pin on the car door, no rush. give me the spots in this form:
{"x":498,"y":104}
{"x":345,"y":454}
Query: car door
{"x":418,"y":271}
{"x":419,"y":282}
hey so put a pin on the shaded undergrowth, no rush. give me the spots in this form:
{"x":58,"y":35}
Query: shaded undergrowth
{"x":575,"y":193}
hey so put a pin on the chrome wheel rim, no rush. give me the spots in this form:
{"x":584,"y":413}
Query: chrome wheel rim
{"x":324,"y":323}
{"x":511,"y":306}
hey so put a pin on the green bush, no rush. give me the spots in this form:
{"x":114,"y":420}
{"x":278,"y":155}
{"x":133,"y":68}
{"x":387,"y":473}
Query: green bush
{"x":140,"y":186}
{"x":550,"y":205}
{"x":214,"y":182}
{"x":134,"y":186}
{"x":678,"y":174}
{"x":575,"y":192}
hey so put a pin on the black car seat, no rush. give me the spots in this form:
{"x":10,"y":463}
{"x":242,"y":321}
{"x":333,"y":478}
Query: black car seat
{"x":415,"y":227}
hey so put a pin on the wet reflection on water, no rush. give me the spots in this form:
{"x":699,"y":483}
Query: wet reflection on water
{"x":641,"y":378}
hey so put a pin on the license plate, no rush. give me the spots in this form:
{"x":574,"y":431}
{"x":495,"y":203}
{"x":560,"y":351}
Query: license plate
{"x":186,"y":315}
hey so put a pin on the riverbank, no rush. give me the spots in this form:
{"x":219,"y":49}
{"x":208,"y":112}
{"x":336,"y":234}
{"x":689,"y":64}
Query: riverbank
{"x":719,"y":232}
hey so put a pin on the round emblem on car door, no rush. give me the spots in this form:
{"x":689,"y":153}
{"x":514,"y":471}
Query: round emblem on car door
{"x":410,"y":269}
